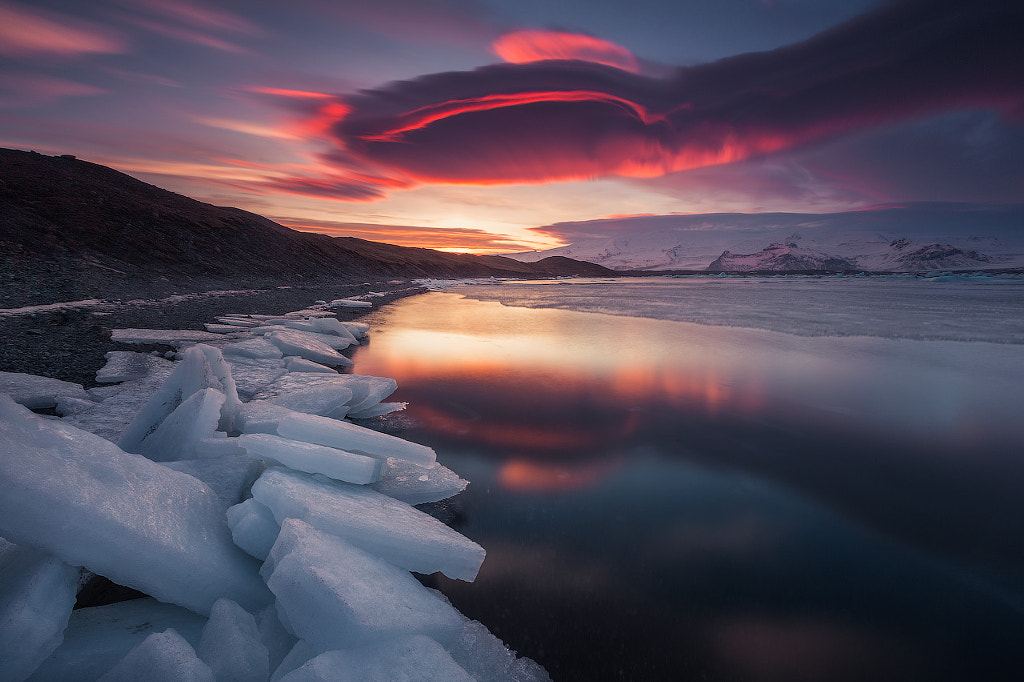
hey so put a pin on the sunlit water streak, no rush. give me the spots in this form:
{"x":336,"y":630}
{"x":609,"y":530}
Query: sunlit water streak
{"x":664,"y":500}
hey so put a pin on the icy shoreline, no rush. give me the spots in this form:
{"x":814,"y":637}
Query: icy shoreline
{"x":278,"y":534}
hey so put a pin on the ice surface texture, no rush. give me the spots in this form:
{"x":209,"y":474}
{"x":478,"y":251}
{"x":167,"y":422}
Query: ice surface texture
{"x":120,"y":515}
{"x":162,"y":657}
{"x":412,"y":659}
{"x":334,"y":595}
{"x":38,"y":392}
{"x":376,"y":523}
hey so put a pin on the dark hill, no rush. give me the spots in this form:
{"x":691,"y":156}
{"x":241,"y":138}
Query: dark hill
{"x":70,"y":229}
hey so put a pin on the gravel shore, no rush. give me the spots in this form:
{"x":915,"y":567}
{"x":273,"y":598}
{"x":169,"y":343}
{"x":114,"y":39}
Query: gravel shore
{"x":70,"y":343}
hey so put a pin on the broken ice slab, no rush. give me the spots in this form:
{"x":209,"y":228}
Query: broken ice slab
{"x":35,"y":392}
{"x":261,"y":416}
{"x":294,"y":659}
{"x":201,"y":367}
{"x":273,"y":635}
{"x":258,"y":348}
{"x":367,"y":391}
{"x":238,"y":320}
{"x":296,"y":364}
{"x":486,"y":657}
{"x":122,"y":516}
{"x":231,"y":646}
{"x":220,"y":328}
{"x":331,"y":340}
{"x":378,"y":410}
{"x":253,"y":375}
{"x":331,"y":325}
{"x":170,"y":337}
{"x":37,"y":593}
{"x":126,"y":365}
{"x":229,"y":476}
{"x":376,"y":523}
{"x":358,"y":329}
{"x":334,"y":595}
{"x":253,"y":527}
{"x":297,"y":343}
{"x":97,"y":638}
{"x":414,"y":484}
{"x":351,"y":438}
{"x":349,"y":303}
{"x":161,"y":657}
{"x":180,"y":434}
{"x":313,"y":459}
{"x":327,"y":399}
{"x":414,"y":658}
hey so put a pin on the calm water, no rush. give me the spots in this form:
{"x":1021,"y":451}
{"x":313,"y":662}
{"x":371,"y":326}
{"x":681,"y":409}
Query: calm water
{"x":667,"y":500}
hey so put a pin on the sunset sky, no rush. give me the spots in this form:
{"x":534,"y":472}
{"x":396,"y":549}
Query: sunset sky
{"x":465,"y":124}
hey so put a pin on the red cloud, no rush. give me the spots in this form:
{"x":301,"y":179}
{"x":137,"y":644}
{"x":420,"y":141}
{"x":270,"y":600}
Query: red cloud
{"x":29,"y":31}
{"x":560,"y":120}
{"x":519,"y":47}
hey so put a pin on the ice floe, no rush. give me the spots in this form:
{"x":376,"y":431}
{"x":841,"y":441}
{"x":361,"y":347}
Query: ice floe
{"x":228,"y":484}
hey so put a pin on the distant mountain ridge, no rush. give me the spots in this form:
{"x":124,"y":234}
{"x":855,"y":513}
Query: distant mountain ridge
{"x":906,"y":239}
{"x":88,"y":230}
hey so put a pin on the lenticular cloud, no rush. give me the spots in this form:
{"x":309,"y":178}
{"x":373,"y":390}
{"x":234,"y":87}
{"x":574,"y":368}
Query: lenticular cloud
{"x":559,"y":119}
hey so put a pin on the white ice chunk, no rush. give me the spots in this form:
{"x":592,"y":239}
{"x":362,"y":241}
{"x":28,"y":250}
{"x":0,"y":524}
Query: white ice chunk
{"x":273,"y":635}
{"x":122,"y":516}
{"x":222,"y":370}
{"x":162,"y":657}
{"x":297,"y":364}
{"x":357,"y":329}
{"x":486,"y":657}
{"x":376,"y":523}
{"x":335,"y":595}
{"x":36,"y":392}
{"x":253,"y":375}
{"x":230,"y":476}
{"x":378,"y":410}
{"x":414,"y":484}
{"x":328,"y":399}
{"x":351,"y":438}
{"x":192,"y":374}
{"x":37,"y":593}
{"x":297,"y":343}
{"x":258,"y":349}
{"x":367,"y":391}
{"x":253,"y":527}
{"x":97,"y":638}
{"x":68,"y":406}
{"x":262,"y":416}
{"x":170,"y":337}
{"x":231,"y":645}
{"x":313,"y":459}
{"x":179,"y":435}
{"x":220,"y":328}
{"x":239,"y":320}
{"x":296,"y":658}
{"x":124,"y":365}
{"x":331,"y":325}
{"x":415,"y":658}
{"x":349,"y":303}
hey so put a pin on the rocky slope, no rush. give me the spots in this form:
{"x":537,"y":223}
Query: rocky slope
{"x":73,"y":230}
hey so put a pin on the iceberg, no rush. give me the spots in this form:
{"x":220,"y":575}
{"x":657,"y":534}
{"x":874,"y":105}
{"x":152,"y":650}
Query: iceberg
{"x":334,"y":595}
{"x":376,"y":523}
{"x":78,"y":496}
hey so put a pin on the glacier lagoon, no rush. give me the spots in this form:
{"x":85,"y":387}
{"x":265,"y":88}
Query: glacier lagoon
{"x":788,"y":478}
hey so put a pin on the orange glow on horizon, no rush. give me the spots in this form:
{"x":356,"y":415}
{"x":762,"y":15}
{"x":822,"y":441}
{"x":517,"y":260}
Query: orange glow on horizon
{"x":531,"y":476}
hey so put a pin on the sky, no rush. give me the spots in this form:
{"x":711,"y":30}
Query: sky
{"x":482,"y":126}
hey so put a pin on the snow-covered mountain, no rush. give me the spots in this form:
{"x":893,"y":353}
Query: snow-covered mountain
{"x":906,"y":239}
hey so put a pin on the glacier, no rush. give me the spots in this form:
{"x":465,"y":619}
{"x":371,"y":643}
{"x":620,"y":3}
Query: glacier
{"x":273,"y":538}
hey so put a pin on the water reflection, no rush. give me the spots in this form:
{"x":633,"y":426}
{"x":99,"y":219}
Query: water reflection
{"x":662,"y":500}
